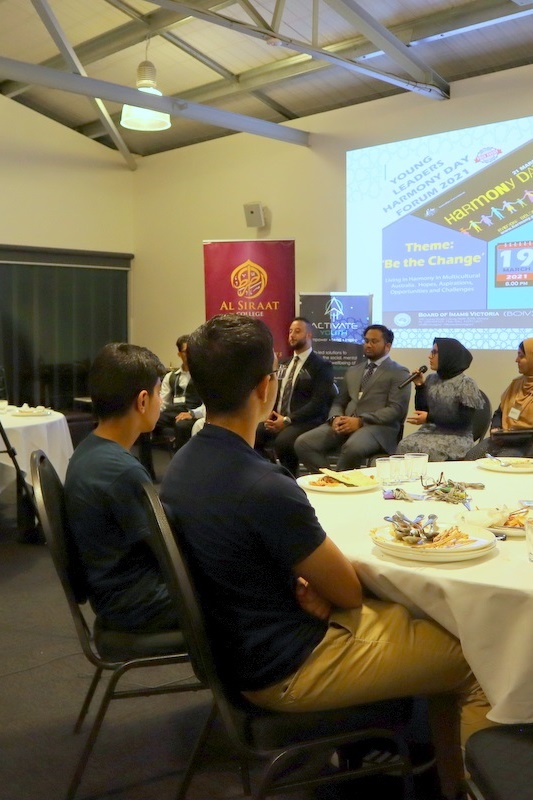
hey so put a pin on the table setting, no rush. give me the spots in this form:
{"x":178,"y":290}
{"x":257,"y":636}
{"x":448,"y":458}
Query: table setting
{"x":30,"y":428}
{"x":480,"y":588}
{"x":25,"y":410}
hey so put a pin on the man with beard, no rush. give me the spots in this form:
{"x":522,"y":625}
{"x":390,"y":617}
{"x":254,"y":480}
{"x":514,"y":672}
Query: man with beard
{"x":306,"y":390}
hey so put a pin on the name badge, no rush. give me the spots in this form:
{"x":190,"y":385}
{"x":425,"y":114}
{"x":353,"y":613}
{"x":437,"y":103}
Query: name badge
{"x":514,"y":413}
{"x":179,"y":399}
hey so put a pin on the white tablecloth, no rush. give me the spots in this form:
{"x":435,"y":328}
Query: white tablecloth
{"x":486,"y":602}
{"x":26,"y":434}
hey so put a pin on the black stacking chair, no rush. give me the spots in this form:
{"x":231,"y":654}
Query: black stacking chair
{"x":500,"y":763}
{"x":114,"y":652}
{"x":279,"y":740}
{"x":482,"y":419}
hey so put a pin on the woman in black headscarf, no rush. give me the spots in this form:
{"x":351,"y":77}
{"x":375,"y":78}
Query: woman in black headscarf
{"x":444,"y":405}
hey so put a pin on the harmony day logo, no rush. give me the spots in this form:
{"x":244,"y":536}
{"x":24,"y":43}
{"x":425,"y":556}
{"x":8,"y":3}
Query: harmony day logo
{"x":249,"y":279}
{"x":487,"y":155}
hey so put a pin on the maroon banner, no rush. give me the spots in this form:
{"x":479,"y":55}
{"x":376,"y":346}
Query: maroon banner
{"x":253,"y":278}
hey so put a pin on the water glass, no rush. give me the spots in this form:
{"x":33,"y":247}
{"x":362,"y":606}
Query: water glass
{"x":528,"y":527}
{"x":416,"y":465}
{"x":397,"y":469}
{"x":383,"y":471}
{"x":3,"y":406}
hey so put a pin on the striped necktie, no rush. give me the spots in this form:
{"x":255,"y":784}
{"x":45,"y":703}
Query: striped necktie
{"x":287,"y":391}
{"x":369,"y":371}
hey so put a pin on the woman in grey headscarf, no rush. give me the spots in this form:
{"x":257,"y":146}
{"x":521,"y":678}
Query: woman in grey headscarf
{"x":445,"y":403}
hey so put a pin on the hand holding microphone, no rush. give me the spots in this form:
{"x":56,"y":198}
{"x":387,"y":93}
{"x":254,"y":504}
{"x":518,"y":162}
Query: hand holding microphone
{"x":413,"y":376}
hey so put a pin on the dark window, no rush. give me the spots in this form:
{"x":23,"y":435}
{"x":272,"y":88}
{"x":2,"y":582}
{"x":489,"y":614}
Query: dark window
{"x":57,"y":308}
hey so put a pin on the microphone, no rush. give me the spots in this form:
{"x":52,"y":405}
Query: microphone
{"x":413,"y":375}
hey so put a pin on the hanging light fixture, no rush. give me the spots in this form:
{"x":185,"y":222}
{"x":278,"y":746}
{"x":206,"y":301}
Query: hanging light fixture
{"x":144,"y":119}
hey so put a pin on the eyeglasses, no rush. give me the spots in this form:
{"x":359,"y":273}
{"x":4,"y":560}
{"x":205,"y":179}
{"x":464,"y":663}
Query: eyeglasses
{"x":431,"y":483}
{"x":433,"y":352}
{"x":274,"y":374}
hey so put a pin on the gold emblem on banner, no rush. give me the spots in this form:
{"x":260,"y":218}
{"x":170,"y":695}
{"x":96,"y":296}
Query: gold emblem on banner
{"x":249,"y":279}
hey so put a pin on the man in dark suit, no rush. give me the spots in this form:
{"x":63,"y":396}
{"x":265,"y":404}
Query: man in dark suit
{"x":305,"y":393}
{"x":367,"y":415}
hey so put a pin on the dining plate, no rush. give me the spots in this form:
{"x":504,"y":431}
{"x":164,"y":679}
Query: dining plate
{"x":493,"y":519}
{"x":483,"y":541}
{"x":31,"y":412}
{"x":305,"y":481}
{"x":516,"y":464}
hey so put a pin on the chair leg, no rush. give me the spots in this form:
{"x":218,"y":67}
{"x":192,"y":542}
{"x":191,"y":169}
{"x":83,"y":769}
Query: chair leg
{"x":93,"y":734}
{"x":88,"y":697}
{"x":197,"y":751}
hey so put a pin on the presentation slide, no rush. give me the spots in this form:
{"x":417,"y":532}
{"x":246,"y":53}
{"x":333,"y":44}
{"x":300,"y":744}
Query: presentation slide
{"x":440,"y":232}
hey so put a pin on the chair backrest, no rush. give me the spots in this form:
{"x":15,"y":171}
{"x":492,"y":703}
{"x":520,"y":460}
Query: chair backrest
{"x":50,"y":504}
{"x":173,"y":564}
{"x":482,"y":418}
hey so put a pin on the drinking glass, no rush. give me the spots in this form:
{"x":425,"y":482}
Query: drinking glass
{"x":397,"y":469}
{"x":3,"y":405}
{"x":383,"y":471}
{"x":416,"y":465}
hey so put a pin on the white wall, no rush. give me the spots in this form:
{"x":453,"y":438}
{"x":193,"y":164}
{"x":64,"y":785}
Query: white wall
{"x":58,"y":188}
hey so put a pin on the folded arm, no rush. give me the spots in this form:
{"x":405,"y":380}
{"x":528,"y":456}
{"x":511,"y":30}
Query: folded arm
{"x":331,"y":577}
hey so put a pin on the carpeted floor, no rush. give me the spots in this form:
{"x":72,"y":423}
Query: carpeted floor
{"x":144,"y":743}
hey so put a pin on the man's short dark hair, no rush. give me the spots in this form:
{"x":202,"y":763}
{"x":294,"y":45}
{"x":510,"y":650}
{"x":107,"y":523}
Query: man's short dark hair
{"x":388,"y":335}
{"x":181,"y":341}
{"x":118,"y":373}
{"x":308,"y":324}
{"x":228,"y":355}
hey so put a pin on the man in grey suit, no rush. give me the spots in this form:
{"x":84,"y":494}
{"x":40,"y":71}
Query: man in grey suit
{"x":367,"y":415}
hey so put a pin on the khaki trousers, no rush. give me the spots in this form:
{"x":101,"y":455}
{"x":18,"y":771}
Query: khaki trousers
{"x":378,"y":652}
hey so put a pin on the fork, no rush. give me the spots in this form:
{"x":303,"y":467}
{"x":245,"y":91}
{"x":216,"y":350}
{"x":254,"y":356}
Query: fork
{"x":500,"y":461}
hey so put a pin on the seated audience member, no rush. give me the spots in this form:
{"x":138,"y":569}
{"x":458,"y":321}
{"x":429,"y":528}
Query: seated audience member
{"x":181,"y":406}
{"x":306,"y":389}
{"x":103,"y":494}
{"x":290,"y":625}
{"x":445,"y":404}
{"x":515,"y":413}
{"x":367,"y":415}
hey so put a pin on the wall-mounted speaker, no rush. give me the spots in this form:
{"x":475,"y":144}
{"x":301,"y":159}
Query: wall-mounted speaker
{"x":254,"y":215}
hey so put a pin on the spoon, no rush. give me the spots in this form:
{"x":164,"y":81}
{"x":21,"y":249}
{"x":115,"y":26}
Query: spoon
{"x":500,"y":461}
{"x":430,"y":521}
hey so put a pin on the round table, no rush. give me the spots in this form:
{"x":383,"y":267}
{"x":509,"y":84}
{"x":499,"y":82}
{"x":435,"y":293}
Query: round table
{"x":49,"y":433}
{"x":486,"y":602}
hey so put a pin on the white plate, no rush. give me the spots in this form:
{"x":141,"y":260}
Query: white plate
{"x":517,"y":465}
{"x":483,"y":544}
{"x":491,"y":518}
{"x":31,"y":412}
{"x":305,"y":482}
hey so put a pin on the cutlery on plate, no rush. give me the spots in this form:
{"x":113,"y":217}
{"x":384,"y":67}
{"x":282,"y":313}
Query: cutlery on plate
{"x":500,"y":461}
{"x":498,"y":532}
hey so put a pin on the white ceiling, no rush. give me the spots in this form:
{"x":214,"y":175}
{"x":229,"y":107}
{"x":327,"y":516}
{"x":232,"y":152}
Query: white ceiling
{"x":263,"y":61}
